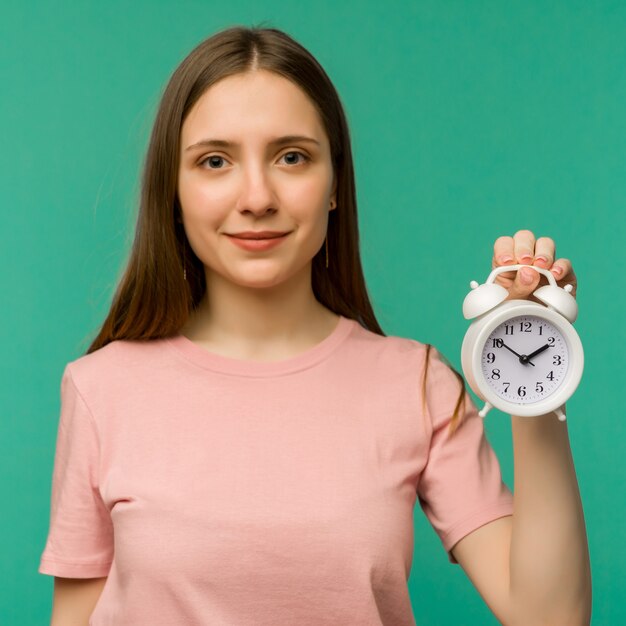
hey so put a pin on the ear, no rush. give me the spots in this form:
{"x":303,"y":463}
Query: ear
{"x":333,"y":193}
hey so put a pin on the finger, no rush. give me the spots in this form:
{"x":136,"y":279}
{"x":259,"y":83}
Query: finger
{"x":544,"y":252}
{"x":504,"y":254}
{"x":522,"y":287}
{"x":562,"y":270}
{"x":503,"y":251}
{"x":524,"y":241}
{"x":495,"y":263}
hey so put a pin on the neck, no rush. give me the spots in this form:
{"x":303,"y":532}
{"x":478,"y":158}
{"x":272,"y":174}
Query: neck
{"x":248,"y":322}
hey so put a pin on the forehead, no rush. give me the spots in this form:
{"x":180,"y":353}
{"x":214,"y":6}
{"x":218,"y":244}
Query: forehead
{"x":255,"y":105}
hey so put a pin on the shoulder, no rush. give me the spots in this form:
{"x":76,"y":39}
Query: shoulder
{"x":394,"y":343}
{"x":402,"y":350}
{"x":117,"y":361}
{"x":420,"y":364}
{"x":397,"y":345}
{"x":440,"y":378}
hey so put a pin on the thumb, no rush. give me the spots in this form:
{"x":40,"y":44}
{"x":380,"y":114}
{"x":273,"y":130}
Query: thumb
{"x":526,"y":281}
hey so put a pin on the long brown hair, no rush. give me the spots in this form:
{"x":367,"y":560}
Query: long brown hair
{"x":152,"y":299}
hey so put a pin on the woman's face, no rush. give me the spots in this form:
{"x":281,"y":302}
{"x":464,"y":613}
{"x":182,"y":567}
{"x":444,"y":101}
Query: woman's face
{"x":255,"y":183}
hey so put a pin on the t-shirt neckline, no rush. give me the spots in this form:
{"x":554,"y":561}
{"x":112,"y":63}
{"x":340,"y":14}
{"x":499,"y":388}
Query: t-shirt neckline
{"x":243,"y":367}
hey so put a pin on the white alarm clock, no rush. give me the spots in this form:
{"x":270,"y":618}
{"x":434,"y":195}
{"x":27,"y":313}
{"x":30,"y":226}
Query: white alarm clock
{"x":520,"y":356}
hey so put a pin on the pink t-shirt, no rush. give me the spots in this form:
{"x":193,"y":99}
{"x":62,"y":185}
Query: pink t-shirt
{"x":213,"y":490}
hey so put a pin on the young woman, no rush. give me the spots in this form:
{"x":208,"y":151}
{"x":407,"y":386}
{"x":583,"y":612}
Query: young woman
{"x":242,"y":444}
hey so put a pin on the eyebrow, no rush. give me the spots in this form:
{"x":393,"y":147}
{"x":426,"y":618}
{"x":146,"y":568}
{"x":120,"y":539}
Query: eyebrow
{"x":222,"y":143}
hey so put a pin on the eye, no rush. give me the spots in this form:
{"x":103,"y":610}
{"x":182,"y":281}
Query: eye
{"x":304,"y":156}
{"x":213,"y":157}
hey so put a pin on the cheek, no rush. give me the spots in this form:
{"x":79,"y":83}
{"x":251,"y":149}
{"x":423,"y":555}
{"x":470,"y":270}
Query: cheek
{"x":307,"y":200}
{"x":316,"y":187}
{"x":201,"y":203}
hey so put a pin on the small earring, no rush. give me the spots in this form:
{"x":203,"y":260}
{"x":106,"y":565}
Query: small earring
{"x":332,"y":206}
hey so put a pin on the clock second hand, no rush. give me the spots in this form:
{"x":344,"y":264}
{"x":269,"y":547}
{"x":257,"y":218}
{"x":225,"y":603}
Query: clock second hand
{"x":522,"y":357}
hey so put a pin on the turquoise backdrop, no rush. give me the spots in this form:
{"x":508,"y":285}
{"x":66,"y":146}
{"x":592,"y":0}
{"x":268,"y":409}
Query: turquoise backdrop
{"x":470,"y":120}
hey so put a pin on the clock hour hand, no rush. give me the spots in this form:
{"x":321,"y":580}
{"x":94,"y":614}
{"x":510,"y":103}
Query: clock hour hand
{"x":538,"y":351}
{"x":522,"y":357}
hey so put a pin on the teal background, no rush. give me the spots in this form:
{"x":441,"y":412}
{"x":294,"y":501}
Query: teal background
{"x":470,"y":120}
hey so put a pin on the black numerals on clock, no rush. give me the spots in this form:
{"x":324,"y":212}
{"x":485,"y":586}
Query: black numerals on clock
{"x":497,"y":342}
{"x":515,"y":339}
{"x":524,"y":327}
{"x":521,"y":391}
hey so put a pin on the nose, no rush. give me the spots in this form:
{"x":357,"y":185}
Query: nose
{"x":257,"y":193}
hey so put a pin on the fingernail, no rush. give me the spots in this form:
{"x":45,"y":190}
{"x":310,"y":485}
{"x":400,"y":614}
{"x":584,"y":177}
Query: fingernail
{"x":527,"y":258}
{"x":506,"y":259}
{"x":527,"y":276}
{"x":542,"y":258}
{"x":557,"y":270}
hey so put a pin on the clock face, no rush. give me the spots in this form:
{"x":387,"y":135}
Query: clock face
{"x":510,"y":373}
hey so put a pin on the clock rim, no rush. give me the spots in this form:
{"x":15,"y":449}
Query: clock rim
{"x":516,"y":308}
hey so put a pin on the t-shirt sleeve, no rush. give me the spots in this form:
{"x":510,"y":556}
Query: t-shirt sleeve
{"x":461,"y":486}
{"x":80,"y":535}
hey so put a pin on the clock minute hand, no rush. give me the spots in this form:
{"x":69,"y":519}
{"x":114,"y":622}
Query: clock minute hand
{"x":522,"y":358}
{"x":538,"y":351}
{"x":509,"y":349}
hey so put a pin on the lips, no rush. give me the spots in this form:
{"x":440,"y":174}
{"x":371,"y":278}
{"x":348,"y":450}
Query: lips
{"x":263,"y":234}
{"x":258,"y":245}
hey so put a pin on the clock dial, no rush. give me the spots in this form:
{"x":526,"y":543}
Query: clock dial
{"x":509,"y":372}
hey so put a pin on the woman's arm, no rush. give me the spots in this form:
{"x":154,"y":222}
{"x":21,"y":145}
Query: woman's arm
{"x":74,"y":600}
{"x":533,"y":567}
{"x":550,"y":573}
